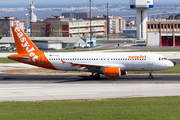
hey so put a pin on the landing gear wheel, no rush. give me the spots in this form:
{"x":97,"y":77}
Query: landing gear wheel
{"x":150,"y":77}
{"x":97,"y":76}
{"x":91,"y":77}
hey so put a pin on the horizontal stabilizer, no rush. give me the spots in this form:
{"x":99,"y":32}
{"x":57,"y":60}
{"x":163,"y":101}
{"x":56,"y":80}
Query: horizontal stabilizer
{"x":21,"y":58}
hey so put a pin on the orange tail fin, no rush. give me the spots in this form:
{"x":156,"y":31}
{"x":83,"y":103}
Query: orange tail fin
{"x":27,"y":51}
{"x":23,"y":44}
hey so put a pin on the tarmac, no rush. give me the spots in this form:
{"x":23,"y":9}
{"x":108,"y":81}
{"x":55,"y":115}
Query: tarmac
{"x":64,"y":87}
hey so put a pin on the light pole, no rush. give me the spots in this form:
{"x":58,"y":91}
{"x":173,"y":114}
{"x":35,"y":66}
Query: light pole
{"x":107,"y":24}
{"x":59,"y":26}
{"x":78,"y":24}
{"x":90,"y":21}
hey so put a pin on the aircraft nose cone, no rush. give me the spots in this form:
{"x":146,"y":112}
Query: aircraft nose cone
{"x":170,"y":64}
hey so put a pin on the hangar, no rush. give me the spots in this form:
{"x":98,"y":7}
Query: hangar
{"x":48,"y":42}
{"x":163,"y":33}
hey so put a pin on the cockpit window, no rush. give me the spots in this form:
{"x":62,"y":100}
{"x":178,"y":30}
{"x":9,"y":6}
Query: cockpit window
{"x":162,"y":58}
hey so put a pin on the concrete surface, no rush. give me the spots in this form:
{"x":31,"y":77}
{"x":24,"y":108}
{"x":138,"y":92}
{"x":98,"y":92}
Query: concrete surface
{"x":60,"y":87}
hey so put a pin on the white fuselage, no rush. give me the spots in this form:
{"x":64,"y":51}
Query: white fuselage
{"x":126,"y":61}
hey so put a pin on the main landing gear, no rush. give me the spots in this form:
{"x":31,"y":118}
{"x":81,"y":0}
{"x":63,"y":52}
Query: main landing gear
{"x":96,"y":76}
{"x":150,"y":75}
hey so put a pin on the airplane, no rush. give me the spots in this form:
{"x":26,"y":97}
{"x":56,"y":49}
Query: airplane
{"x":109,"y":64}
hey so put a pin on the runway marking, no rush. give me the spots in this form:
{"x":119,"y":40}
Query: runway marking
{"x":14,"y":88}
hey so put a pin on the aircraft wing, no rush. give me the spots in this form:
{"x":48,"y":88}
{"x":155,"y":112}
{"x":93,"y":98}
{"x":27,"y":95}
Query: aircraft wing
{"x":92,"y":66}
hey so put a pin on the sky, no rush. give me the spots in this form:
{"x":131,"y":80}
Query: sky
{"x":82,"y":1}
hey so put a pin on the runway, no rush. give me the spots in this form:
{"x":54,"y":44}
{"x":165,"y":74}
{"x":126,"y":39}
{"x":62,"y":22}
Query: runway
{"x":62,"y":87}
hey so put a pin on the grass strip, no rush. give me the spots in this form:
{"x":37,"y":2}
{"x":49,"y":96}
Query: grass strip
{"x":150,"y":108}
{"x":42,"y":71}
{"x":6,"y":60}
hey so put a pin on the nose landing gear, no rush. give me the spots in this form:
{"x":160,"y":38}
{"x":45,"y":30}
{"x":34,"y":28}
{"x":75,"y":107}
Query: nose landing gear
{"x":150,"y":75}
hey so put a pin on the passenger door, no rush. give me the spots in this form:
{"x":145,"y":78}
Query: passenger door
{"x":150,"y":61}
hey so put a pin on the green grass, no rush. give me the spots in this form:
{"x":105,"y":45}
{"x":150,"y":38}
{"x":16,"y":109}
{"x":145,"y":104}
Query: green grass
{"x":6,"y":60}
{"x":8,"y":51}
{"x":151,"y":108}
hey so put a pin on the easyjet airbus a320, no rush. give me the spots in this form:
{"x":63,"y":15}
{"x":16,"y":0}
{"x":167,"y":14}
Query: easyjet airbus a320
{"x":108,"y":64}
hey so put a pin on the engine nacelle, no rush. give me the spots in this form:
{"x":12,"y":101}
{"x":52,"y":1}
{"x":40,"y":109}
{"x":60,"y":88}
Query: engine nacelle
{"x":113,"y":72}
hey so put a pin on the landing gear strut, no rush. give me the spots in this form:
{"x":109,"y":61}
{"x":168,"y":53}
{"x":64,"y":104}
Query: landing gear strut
{"x":150,"y":75}
{"x":96,"y":76}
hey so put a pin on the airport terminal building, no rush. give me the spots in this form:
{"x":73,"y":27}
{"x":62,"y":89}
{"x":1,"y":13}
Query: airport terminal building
{"x":163,"y":33}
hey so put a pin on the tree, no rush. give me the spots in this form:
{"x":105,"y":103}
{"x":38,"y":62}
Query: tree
{"x":177,"y":16}
{"x":5,"y":34}
{"x":171,"y":17}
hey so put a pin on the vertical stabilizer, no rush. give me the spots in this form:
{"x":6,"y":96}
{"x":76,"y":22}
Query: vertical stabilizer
{"x":23,"y":43}
{"x":27,"y":52}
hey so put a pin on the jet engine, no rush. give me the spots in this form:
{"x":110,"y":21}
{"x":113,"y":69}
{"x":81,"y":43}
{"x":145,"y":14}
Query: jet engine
{"x":113,"y":72}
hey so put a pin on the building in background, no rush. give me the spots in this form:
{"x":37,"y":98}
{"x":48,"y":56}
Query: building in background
{"x":122,"y":24}
{"x":67,"y":27}
{"x":116,"y":24}
{"x":48,"y":43}
{"x":130,"y":30}
{"x":163,"y":33}
{"x":57,"y":42}
{"x":7,"y":22}
{"x":76,"y":15}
